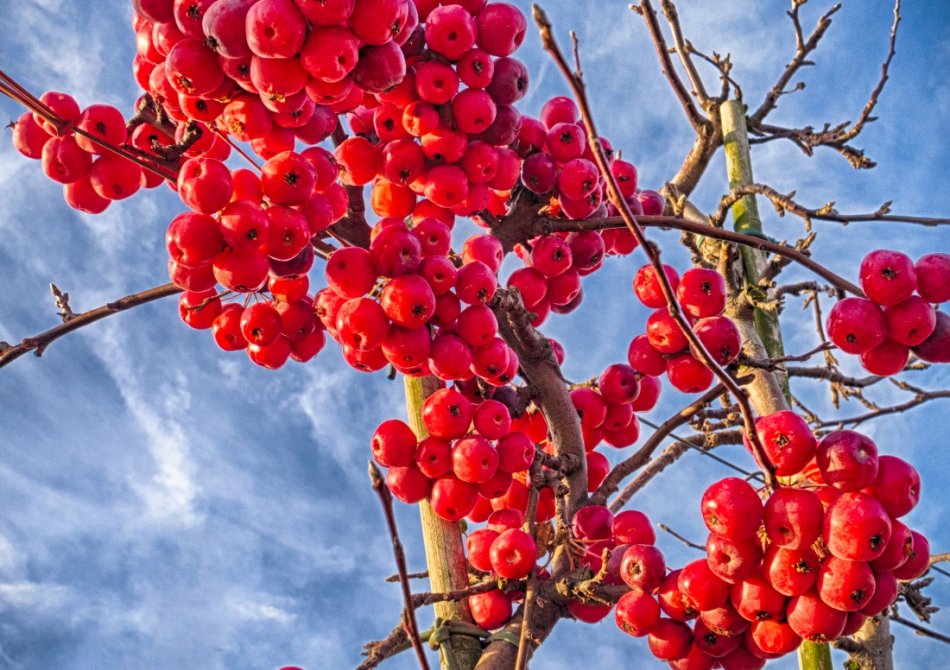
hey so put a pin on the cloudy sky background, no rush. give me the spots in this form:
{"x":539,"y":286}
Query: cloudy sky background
{"x":166,"y":505}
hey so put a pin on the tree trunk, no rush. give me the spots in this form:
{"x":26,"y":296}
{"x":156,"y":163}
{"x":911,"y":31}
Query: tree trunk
{"x":761,"y":331}
{"x":445,"y":556}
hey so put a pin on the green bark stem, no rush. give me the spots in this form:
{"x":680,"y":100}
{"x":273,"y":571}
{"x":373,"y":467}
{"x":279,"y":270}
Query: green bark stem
{"x":811,"y":655}
{"x":746,"y":220}
{"x":445,"y":556}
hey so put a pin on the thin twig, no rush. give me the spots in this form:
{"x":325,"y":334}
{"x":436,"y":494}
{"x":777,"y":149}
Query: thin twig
{"x":922,"y":631}
{"x":803,"y":47}
{"x":692,"y":545}
{"x":565,"y":225}
{"x":408,"y":613}
{"x":648,"y":13}
{"x":38,"y":343}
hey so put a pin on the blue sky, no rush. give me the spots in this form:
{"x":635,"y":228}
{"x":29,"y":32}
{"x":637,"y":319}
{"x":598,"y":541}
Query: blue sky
{"x":166,"y":505}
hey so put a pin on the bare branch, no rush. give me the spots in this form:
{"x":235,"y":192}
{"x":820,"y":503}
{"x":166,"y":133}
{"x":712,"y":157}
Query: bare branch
{"x":836,"y":137}
{"x":683,"y":51}
{"x":408,"y":613}
{"x":696,"y":120}
{"x":38,"y":343}
{"x":543,"y":226}
{"x":803,"y":47}
{"x":922,"y":631}
{"x":616,"y":197}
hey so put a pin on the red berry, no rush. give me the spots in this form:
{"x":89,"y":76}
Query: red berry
{"x":513,"y":554}
{"x":888,"y":277}
{"x":933,"y":277}
{"x":394,"y":444}
{"x":647,"y":286}
{"x":856,"y":325}
{"x":637,"y":613}
{"x":732,"y":508}
{"x":847,"y":460}
{"x":793,"y":517}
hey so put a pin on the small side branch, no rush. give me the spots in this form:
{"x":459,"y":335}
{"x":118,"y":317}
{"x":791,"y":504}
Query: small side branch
{"x":408,"y":613}
{"x":38,"y":343}
{"x":785,"y":203}
{"x":646,"y":10}
{"x":803,"y":48}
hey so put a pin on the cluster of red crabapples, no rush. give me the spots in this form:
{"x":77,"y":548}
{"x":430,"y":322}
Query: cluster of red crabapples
{"x":92,"y":176}
{"x":663,"y":348}
{"x":559,"y":163}
{"x":898,"y":316}
{"x":811,"y":562}
{"x":246,"y":234}
{"x":443,"y":130}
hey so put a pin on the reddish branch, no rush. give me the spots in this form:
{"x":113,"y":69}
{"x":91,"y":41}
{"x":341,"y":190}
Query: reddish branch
{"x":12,"y":89}
{"x":38,"y":343}
{"x":409,"y":612}
{"x":578,"y":87}
{"x":565,"y":225}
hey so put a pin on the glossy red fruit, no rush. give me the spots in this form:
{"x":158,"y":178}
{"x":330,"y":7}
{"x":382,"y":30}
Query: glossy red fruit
{"x":643,"y":568}
{"x":712,"y":644}
{"x":687,"y":374}
{"x":513,"y":554}
{"x":847,"y":460}
{"x":918,"y":562}
{"x":516,"y":452}
{"x":845,"y":585}
{"x":474,"y":459}
{"x":205,"y":184}
{"x":644,"y":358}
{"x":733,"y":561}
{"x":447,"y":414}
{"x":701,"y":586}
{"x":936,"y":348}
{"x":885,"y":594}
{"x":633,"y":527}
{"x":199,"y":309}
{"x":899,"y":548}
{"x":896,"y":487}
{"x":756,"y":600}
{"x":702,"y":293}
{"x":433,"y":457}
{"x":724,"y":620}
{"x":394,"y":444}
{"x":888,"y":277}
{"x":453,"y":499}
{"x":788,"y":441}
{"x":771,"y":638}
{"x":490,"y":610}
{"x":362,"y":324}
{"x":856,"y":325}
{"x":887,"y":358}
{"x":732,"y":508}
{"x":408,"y":484}
{"x":260,"y":324}
{"x":910,"y":321}
{"x":350,"y":272}
{"x":791,"y":572}
{"x":664,"y":334}
{"x":226,"y":328}
{"x":721,"y":338}
{"x":647,"y":286}
{"x":793,"y":517}
{"x":933,"y":277}
{"x":637,"y":613}
{"x":670,"y":640}
{"x":856,"y":527}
